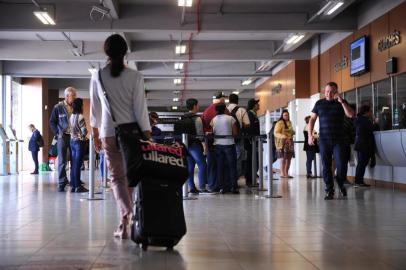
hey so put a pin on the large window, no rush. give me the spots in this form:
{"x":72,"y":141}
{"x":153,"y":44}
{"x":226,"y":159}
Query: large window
{"x":365,"y":96}
{"x":399,"y":110}
{"x":383,"y":104}
{"x":350,"y":97}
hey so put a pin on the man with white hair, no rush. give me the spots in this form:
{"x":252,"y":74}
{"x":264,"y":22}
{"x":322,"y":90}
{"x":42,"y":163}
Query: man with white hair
{"x":59,"y":123}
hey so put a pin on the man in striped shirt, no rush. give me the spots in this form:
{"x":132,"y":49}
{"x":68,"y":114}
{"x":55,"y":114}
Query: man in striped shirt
{"x":331,"y":111}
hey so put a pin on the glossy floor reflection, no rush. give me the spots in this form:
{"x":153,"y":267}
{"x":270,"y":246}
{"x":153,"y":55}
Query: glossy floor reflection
{"x":43,"y":229}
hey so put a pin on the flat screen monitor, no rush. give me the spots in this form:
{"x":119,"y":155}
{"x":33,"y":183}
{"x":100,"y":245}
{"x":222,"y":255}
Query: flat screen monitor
{"x":359,"y":55}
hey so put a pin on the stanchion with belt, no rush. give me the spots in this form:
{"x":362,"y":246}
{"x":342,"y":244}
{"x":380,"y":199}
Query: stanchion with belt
{"x":92,"y":155}
{"x":185,"y":186}
{"x":261,"y":165}
{"x":270,"y":178}
{"x":254,"y":161}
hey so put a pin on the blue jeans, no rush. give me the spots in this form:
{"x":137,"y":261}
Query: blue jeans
{"x":63,"y":145}
{"x":196,"y":157}
{"x":101,"y":156}
{"x":310,"y":155}
{"x":226,"y":156}
{"x":328,"y":149}
{"x":212,"y":170}
{"x":76,"y":162}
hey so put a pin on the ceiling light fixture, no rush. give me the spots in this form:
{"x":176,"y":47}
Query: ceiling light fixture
{"x":236,"y":92}
{"x":92,"y":70}
{"x":180,"y":49}
{"x":177,"y":81}
{"x":214,"y":97}
{"x":44,"y":17}
{"x":336,"y":6}
{"x":295,"y":39}
{"x":175,"y":99}
{"x":246,"y":82}
{"x":178,"y":66}
{"x":174,"y":107}
{"x":185,"y":3}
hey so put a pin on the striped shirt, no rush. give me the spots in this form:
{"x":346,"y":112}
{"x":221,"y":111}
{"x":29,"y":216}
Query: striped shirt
{"x":331,"y":118}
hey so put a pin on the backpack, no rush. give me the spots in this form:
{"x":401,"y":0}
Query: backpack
{"x":237,"y":123}
{"x":40,"y":141}
{"x":186,"y":125}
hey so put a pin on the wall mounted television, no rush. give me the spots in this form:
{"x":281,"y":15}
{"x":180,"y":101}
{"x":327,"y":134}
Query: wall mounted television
{"x":359,"y":56}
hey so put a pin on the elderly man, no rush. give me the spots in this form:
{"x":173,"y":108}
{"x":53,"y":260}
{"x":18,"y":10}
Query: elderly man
{"x":59,"y":123}
{"x":331,"y":111}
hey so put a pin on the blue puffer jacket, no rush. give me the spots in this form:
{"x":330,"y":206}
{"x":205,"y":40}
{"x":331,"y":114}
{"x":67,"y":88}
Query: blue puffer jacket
{"x":59,"y":121}
{"x":33,"y":143}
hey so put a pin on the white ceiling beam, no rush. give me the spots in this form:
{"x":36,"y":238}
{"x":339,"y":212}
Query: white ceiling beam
{"x":74,"y":16}
{"x":216,"y":51}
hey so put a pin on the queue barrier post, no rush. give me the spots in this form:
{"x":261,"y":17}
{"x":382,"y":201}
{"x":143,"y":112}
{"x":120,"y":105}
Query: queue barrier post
{"x":92,"y":154}
{"x":270,"y":193}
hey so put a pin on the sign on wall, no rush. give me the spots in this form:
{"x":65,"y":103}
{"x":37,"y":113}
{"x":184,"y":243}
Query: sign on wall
{"x":277,"y":89}
{"x":389,"y":41}
{"x":342,"y":64}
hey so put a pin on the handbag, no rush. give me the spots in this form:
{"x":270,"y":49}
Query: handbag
{"x":145,"y":159}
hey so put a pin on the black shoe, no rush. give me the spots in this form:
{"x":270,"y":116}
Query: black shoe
{"x":223,"y":191}
{"x":329,"y":196}
{"x":72,"y":190}
{"x":308,"y":176}
{"x":34,"y":172}
{"x":81,"y":189}
{"x":61,"y":188}
{"x":343,"y":192}
{"x":203,"y":190}
{"x":194,"y":191}
{"x":235,"y":191}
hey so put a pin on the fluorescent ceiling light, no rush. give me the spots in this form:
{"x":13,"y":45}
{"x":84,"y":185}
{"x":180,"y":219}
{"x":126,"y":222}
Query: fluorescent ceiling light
{"x":176,"y":92}
{"x":295,"y":39}
{"x":177,"y":81}
{"x":227,"y":100}
{"x":175,"y":99}
{"x":92,"y":70}
{"x":214,"y":97}
{"x":185,"y":3}
{"x":44,"y":17}
{"x":335,"y":7}
{"x":180,"y":49}
{"x":247,"y":82}
{"x":178,"y":66}
{"x":236,"y":92}
{"x":174,"y":107}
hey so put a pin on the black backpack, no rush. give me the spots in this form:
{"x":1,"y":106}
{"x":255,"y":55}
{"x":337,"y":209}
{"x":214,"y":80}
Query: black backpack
{"x":40,"y":141}
{"x":186,"y":125}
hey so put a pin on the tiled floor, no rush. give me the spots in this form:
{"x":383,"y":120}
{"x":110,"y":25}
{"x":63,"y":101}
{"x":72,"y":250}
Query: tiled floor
{"x":43,"y":229}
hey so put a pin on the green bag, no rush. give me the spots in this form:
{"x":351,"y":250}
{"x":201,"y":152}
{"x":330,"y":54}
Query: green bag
{"x":44,"y":167}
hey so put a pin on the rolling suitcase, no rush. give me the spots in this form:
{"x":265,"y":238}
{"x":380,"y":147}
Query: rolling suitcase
{"x":158,"y":218}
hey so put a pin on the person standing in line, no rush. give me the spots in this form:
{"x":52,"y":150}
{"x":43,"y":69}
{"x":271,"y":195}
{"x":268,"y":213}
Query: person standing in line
{"x":59,"y":124}
{"x":78,"y":133}
{"x":240,"y":114}
{"x":364,"y":143}
{"x":226,"y":154}
{"x":284,"y":142}
{"x":208,"y":115}
{"x":34,"y":146}
{"x":310,"y":150}
{"x":126,"y":102}
{"x":196,"y":149}
{"x":156,"y":132}
{"x":331,"y":111}
{"x":253,"y":130}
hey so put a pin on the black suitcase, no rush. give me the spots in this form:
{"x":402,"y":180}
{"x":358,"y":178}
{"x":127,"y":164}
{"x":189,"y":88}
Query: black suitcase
{"x":158,"y":219}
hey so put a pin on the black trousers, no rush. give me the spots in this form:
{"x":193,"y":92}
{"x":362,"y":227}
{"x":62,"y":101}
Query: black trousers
{"x":35,"y":159}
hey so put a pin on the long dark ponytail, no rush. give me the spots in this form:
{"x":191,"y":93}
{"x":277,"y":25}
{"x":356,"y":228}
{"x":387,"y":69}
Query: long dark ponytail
{"x":115,"y":47}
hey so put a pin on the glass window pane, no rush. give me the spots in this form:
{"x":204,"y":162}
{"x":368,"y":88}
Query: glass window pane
{"x":383,"y":100}
{"x":365,"y":96}
{"x":399,"y":112}
{"x":350,"y":97}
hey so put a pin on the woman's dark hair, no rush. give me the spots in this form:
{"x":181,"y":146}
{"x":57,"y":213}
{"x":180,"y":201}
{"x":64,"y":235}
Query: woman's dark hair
{"x":77,"y":106}
{"x":220,"y":108}
{"x":364,"y":109}
{"x":115,"y":47}
{"x":281,"y":118}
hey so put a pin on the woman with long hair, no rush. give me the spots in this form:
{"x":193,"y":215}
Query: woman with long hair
{"x":283,"y":133}
{"x":118,"y":103}
{"x":78,"y":133}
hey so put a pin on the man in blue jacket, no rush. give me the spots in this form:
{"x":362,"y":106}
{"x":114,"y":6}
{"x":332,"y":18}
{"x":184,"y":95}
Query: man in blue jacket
{"x":34,"y":145}
{"x":59,"y":123}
